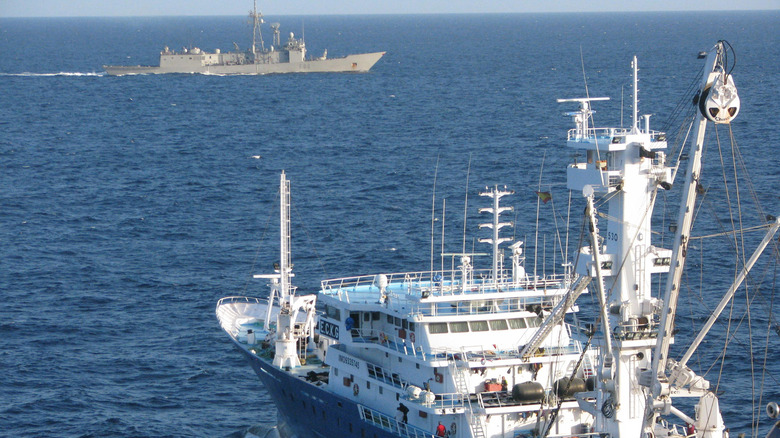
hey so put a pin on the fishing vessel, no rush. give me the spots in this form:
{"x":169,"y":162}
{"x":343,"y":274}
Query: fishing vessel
{"x":289,"y":57}
{"x":502,"y":351}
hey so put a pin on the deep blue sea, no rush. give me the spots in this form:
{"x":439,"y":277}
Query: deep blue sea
{"x":130,"y":205}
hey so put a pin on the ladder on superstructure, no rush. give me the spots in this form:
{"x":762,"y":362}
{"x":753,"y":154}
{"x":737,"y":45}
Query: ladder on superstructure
{"x":555,"y":318}
{"x":457,"y":371}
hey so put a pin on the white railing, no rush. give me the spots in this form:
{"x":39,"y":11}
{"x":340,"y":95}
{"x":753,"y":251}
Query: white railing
{"x":409,"y":289}
{"x":228,"y":311}
{"x":609,"y":133}
{"x":386,"y":422}
{"x":392,"y":342}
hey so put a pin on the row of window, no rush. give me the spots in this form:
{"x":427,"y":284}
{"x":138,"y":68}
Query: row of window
{"x":400,"y":322}
{"x":483,"y":326}
{"x":335,"y":313}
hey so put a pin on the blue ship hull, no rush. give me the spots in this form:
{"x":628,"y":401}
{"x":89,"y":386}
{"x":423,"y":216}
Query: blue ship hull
{"x":310,"y":411}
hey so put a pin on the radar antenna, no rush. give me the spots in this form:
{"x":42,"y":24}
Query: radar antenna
{"x":276,"y":40}
{"x":257,"y":20}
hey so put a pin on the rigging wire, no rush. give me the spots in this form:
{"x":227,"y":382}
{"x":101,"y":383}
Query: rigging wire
{"x":711,"y":208}
{"x":466,"y":206}
{"x":538,"y":200}
{"x":260,"y":245}
{"x":433,"y":210}
{"x":311,"y":242}
{"x":737,"y":242}
{"x":554,"y":413}
{"x":683,"y":106}
{"x":766,"y":351}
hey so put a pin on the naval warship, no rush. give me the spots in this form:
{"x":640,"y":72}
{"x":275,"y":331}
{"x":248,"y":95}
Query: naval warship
{"x":278,"y":58}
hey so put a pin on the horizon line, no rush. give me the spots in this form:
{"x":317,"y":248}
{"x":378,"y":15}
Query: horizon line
{"x":358,"y":14}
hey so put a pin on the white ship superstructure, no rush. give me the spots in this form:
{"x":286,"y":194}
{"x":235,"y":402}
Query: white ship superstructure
{"x":492,"y":352}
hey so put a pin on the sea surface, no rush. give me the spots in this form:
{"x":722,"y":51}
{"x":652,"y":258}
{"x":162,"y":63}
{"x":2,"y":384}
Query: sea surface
{"x":130,"y":205}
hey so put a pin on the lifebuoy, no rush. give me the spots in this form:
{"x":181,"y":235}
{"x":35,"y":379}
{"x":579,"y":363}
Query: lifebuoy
{"x":411,"y":336}
{"x":355,"y":389}
{"x":439,"y":377}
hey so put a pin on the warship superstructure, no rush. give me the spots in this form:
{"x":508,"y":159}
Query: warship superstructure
{"x":289,"y":57}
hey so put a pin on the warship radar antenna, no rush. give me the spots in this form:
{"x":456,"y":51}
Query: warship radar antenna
{"x":257,"y":20}
{"x":276,"y":40}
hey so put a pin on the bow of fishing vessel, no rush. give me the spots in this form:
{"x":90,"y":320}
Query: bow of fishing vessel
{"x":289,"y":57}
{"x":403,"y":353}
{"x":503,"y":352}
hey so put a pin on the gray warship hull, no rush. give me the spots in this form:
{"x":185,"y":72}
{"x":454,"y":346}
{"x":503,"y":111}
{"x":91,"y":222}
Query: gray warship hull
{"x":231,"y":64}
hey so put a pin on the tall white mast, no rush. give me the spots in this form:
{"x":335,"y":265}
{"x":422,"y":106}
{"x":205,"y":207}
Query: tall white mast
{"x":495,"y":225}
{"x":624,"y":168}
{"x":284,"y":244}
{"x":713,"y":77}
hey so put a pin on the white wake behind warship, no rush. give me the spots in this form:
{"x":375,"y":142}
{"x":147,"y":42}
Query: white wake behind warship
{"x":504,"y":352}
{"x":289,"y":57}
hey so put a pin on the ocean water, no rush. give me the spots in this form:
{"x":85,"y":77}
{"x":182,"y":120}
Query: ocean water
{"x":130,"y":205}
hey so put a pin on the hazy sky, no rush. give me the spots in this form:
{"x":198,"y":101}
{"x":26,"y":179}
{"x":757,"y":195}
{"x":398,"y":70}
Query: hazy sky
{"x":82,"y":8}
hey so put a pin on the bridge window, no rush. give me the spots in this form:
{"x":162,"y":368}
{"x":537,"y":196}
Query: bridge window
{"x":437,"y":327}
{"x":517,"y":323}
{"x":498,"y":324}
{"x":333,"y":312}
{"x":459,"y":327}
{"x":478,"y":326}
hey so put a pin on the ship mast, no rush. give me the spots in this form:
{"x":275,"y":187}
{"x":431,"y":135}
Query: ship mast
{"x":625,"y":168}
{"x":284,"y":245}
{"x":718,"y":102}
{"x":495,"y":225}
{"x":257,"y":20}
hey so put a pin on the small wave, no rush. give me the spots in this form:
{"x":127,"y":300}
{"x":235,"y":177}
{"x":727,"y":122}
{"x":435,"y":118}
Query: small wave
{"x":62,"y":73}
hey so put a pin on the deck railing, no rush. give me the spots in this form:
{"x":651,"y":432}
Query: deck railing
{"x":387,"y":422}
{"x":406,"y":292}
{"x":441,"y":283}
{"x":609,"y":134}
{"x":373,"y":336}
{"x":228,"y":315}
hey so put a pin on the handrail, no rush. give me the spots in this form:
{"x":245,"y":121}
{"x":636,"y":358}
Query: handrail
{"x":439,"y":283}
{"x":227,"y":317}
{"x":407,"y":292}
{"x":392,"y":342}
{"x":386,"y":422}
{"x":237,"y":298}
{"x":604,"y":133}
